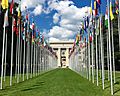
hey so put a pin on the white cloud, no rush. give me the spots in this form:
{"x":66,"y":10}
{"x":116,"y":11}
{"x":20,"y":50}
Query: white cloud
{"x":70,"y":18}
{"x":53,"y":39}
{"x":56,"y":18}
{"x":60,"y":33}
{"x":37,"y":10}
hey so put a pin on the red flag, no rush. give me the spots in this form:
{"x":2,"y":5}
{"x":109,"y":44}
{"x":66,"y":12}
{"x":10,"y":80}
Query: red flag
{"x":11,"y":7}
{"x":99,"y":2}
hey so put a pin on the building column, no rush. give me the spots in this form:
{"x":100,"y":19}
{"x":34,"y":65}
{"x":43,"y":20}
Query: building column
{"x":67,"y":57}
{"x":59,"y":57}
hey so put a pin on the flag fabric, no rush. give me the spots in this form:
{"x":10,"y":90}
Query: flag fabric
{"x":106,"y":17}
{"x":98,"y":2}
{"x":95,"y":8}
{"x":117,"y":7}
{"x":6,"y":23}
{"x":111,"y":13}
{"x":33,"y":31}
{"x":77,"y":40}
{"x":4,"y":4}
{"x":11,"y":7}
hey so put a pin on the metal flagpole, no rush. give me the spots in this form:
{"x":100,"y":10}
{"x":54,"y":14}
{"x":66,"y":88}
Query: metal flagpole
{"x":110,"y":48}
{"x":18,"y":54}
{"x":97,"y":54}
{"x":5,"y":57}
{"x":3,"y":48}
{"x":31,"y":58}
{"x":108,"y":56}
{"x":16,"y":59}
{"x":12,"y":51}
{"x":119,"y":24}
{"x":113,"y":51}
{"x":36,"y":59}
{"x":92,"y":56}
{"x":24,"y":52}
{"x":102,"y":59}
{"x":89,"y":55}
{"x":34,"y":62}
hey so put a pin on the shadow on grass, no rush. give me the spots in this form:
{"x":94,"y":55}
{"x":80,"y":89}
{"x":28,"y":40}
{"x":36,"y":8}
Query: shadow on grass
{"x":35,"y":86}
{"x":116,"y":91}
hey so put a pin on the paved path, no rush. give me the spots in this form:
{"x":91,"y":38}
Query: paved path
{"x":59,"y":82}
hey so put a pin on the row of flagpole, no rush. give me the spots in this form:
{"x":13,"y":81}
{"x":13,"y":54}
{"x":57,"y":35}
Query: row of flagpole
{"x":90,"y":36}
{"x":33,"y":54}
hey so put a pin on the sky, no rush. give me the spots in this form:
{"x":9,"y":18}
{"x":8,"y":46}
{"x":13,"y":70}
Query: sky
{"x":58,"y":19}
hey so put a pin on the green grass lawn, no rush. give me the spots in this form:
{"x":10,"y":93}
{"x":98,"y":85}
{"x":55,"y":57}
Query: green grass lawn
{"x":59,"y":82}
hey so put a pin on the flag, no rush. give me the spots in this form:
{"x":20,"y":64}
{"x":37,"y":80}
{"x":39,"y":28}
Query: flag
{"x":106,"y":17}
{"x":19,"y":12}
{"x":111,"y":13}
{"x":77,"y":40}
{"x":98,"y":2}
{"x":95,"y":8}
{"x":11,"y":7}
{"x":90,"y":38}
{"x":4,"y":4}
{"x":6,"y":23}
{"x":117,"y":7}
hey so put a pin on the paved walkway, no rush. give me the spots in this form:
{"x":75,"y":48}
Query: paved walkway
{"x":59,"y":82}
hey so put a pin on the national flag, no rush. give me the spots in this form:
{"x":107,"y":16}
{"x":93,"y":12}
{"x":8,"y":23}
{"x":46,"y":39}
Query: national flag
{"x":95,"y":8}
{"x":6,"y":23}
{"x":106,"y":17}
{"x":11,"y":7}
{"x":111,"y":13}
{"x":77,"y":40}
{"x":19,"y":12}
{"x":98,"y":2}
{"x":4,"y":4}
{"x":117,"y":6}
{"x":90,"y":38}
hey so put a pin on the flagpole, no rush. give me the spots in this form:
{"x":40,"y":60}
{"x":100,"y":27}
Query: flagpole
{"x":3,"y":48}
{"x":92,"y":53}
{"x":108,"y":56}
{"x":89,"y":55}
{"x":97,"y":55}
{"x":12,"y":51}
{"x":31,"y":58}
{"x":102,"y":59}
{"x":16,"y":70}
{"x":24,"y":52}
{"x":113,"y":54}
{"x":110,"y":47}
{"x":34,"y":62}
{"x":5,"y":57}
{"x":119,"y":24}
{"x":18,"y":37}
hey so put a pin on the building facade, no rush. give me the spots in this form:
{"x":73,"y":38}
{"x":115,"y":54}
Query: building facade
{"x":62,"y":49}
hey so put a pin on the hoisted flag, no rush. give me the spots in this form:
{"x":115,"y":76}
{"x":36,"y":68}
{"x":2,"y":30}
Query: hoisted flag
{"x":111,"y":13}
{"x":117,"y":6}
{"x":4,"y":4}
{"x":106,"y":18}
{"x":11,"y":7}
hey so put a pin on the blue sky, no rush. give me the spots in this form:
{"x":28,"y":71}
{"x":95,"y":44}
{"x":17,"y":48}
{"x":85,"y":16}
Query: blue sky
{"x":59,"y":19}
